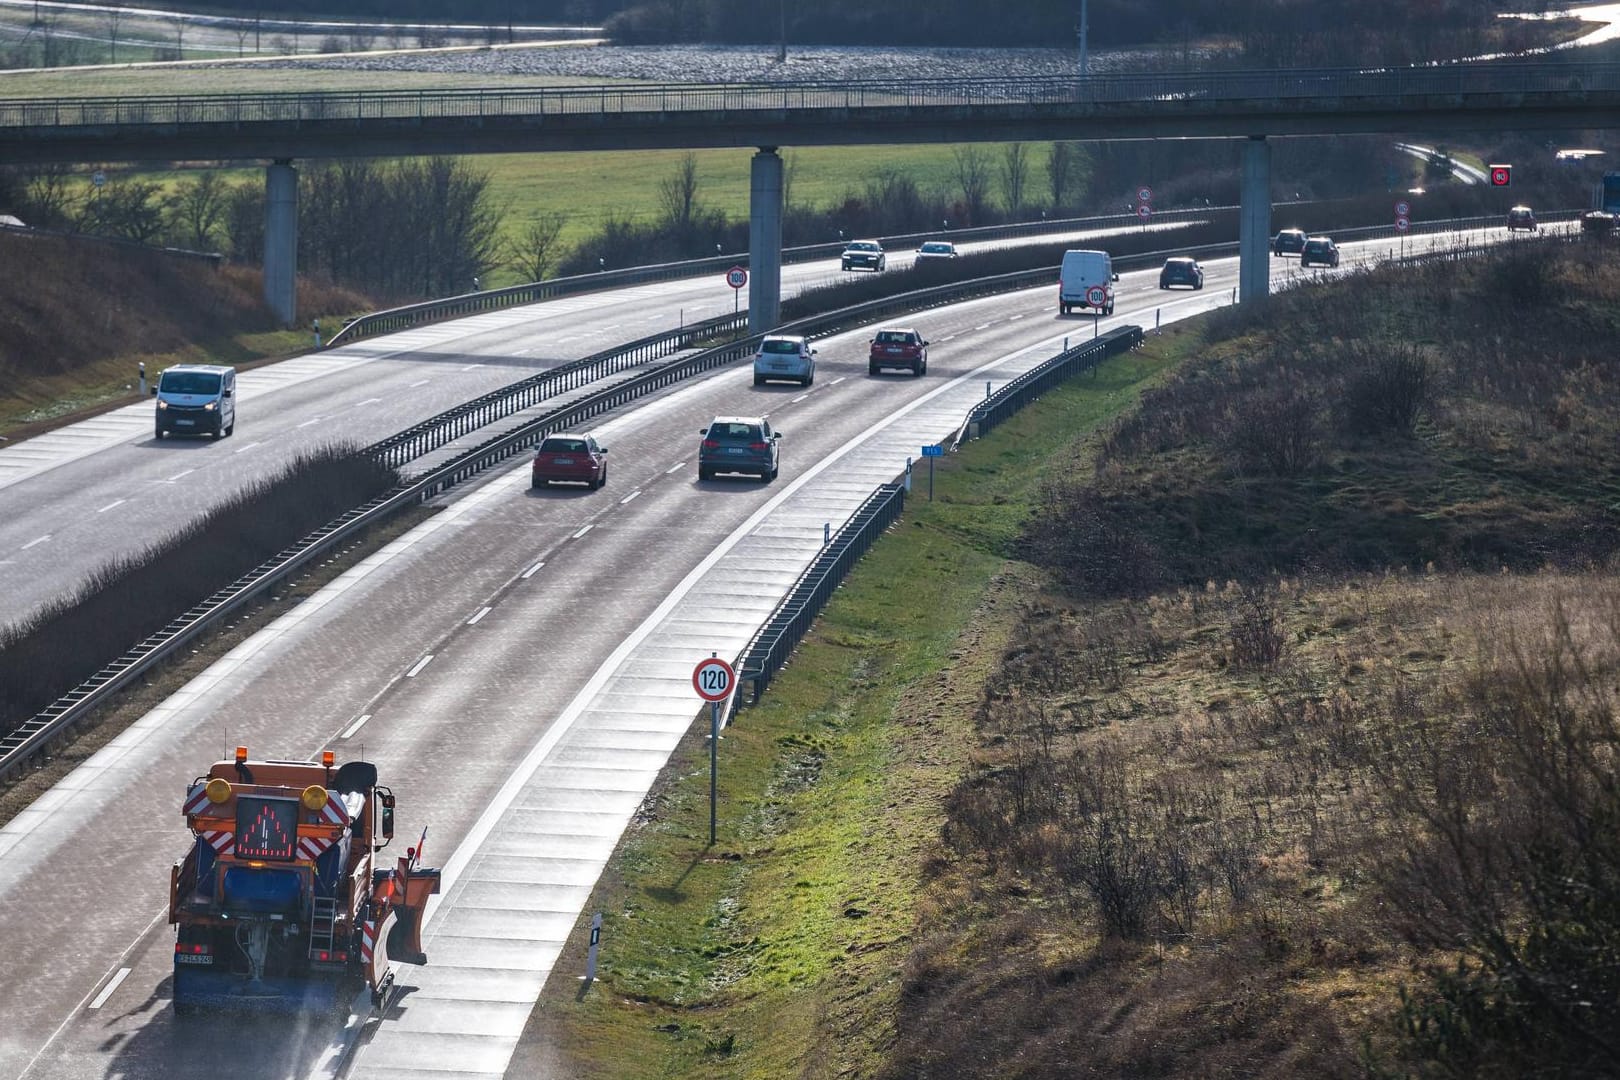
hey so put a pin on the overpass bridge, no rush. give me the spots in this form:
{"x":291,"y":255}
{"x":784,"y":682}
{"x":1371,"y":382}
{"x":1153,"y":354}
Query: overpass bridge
{"x":1252,"y":106}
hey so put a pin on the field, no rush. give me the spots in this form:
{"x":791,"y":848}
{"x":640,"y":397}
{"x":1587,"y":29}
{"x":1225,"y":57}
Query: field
{"x":1313,"y":785}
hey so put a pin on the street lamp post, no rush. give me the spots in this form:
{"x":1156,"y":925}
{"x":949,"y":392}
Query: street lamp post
{"x":1084,"y":58}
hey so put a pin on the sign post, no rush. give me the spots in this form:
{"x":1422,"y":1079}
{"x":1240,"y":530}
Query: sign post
{"x":1144,"y":209}
{"x":736,"y":277}
{"x":596,"y":939}
{"x":932,"y":452}
{"x":713,"y":679}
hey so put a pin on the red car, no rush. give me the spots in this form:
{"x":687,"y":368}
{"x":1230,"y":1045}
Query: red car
{"x":898,"y":347}
{"x":570,"y":458}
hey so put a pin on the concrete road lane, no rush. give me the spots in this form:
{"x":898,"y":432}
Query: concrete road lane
{"x":74,"y":499}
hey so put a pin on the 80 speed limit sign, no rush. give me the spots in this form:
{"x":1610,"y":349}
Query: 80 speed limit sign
{"x":713,"y":679}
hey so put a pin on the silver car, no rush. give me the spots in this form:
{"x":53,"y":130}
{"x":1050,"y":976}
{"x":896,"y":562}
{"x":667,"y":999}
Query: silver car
{"x":781,"y":356}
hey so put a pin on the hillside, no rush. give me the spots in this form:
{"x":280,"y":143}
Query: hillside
{"x":1264,"y":729}
{"x":76,"y":316}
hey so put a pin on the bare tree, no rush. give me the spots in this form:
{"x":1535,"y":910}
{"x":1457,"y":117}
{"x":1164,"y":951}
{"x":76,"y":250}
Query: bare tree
{"x":678,"y":196}
{"x":972,"y":175}
{"x":790,"y":168}
{"x":199,"y":209}
{"x":1060,"y":172}
{"x":537,"y":249}
{"x":126,"y":208}
{"x":1014,"y":176}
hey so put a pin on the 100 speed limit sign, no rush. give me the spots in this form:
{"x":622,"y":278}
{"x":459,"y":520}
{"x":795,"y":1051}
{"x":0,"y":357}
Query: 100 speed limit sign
{"x":713,"y":679}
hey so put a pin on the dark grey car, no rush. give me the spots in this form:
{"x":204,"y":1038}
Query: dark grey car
{"x":739,"y":444}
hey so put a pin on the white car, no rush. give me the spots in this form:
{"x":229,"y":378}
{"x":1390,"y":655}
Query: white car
{"x":783,"y":356}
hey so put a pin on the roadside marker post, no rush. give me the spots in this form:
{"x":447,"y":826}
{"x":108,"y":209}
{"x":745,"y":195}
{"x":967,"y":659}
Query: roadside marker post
{"x":590,"y":955}
{"x":713,"y":679}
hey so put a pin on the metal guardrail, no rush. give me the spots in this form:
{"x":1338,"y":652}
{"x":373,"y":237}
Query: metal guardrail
{"x":1168,"y":88}
{"x":774,"y":642}
{"x":455,"y":307}
{"x":212,"y":258}
{"x":452,"y":424}
{"x":1012,"y":397}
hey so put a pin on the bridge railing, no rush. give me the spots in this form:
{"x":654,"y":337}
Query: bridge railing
{"x":1549,"y":77}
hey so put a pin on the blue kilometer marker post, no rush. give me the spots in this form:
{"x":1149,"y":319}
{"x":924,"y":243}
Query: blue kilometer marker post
{"x":932,"y":452}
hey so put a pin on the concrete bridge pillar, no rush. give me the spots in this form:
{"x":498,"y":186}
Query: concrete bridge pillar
{"x":281,"y":241}
{"x":765,"y":242}
{"x":1254,"y":222}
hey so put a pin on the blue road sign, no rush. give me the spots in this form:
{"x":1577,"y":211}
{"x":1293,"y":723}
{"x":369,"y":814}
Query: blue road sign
{"x":933,"y":451}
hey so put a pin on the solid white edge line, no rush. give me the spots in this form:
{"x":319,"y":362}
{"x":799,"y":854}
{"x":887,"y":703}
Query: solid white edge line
{"x":481,"y":613}
{"x":101,"y":998}
{"x":420,"y":664}
{"x":348,"y":732}
{"x":531,"y":571}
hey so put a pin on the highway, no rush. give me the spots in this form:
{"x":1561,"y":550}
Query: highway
{"x":88,"y":494}
{"x":518,"y":668}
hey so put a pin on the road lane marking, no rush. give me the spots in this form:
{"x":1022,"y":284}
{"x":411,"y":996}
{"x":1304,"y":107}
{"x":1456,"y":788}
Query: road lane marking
{"x":1014,"y":318}
{"x":421,"y":382}
{"x":178,"y":475}
{"x":481,"y":613}
{"x":838,"y":380}
{"x":356,"y":726}
{"x":582,"y":532}
{"x":472,"y":367}
{"x":36,"y":540}
{"x":368,"y":401}
{"x":982,"y":326}
{"x":951,"y":338}
{"x":798,"y":399}
{"x":675,"y":468}
{"x":630,"y":496}
{"x":531,"y":571}
{"x":245,"y":449}
{"x":314,"y":420}
{"x":101,"y":998}
{"x":109,"y":506}
{"x":420,"y":664}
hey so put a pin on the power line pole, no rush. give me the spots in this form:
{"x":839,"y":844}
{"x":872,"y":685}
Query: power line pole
{"x":781,"y":47}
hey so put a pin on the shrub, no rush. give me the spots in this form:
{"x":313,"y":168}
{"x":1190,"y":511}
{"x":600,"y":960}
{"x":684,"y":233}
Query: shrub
{"x":1389,"y":385}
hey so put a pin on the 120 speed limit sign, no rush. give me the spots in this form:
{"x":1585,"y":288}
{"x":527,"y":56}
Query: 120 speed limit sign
{"x":713,"y":679}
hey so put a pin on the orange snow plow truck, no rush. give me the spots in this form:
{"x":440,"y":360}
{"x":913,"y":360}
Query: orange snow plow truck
{"x":278,"y":905}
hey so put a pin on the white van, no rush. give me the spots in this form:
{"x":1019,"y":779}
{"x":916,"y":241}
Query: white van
{"x":196,"y":399}
{"x":1083,"y":272}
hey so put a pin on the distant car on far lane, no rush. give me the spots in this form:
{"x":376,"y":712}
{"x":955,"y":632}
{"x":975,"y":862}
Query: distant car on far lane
{"x":936,"y":249}
{"x":569,"y":458}
{"x":1288,"y":242}
{"x":1181,"y":270}
{"x":1319,"y":251}
{"x":863,"y":255}
{"x":1521,"y":217}
{"x":898,"y":346}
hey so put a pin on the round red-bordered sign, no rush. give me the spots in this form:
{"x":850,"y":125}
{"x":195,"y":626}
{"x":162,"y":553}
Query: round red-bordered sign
{"x":1096,"y":296}
{"x":1145,"y":194}
{"x":1402,"y":209}
{"x":713,"y":679}
{"x":1144,"y":212}
{"x":1402,"y":224}
{"x":737,"y":277}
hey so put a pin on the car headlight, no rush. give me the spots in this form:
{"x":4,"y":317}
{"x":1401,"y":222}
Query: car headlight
{"x":162,"y":404}
{"x":208,"y":407}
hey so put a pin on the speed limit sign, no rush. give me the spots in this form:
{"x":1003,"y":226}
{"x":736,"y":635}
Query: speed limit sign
{"x":736,"y":277}
{"x":713,"y":679}
{"x":1144,"y":194}
{"x":1096,"y":296}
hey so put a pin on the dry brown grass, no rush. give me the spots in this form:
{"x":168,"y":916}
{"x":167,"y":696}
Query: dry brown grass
{"x":1165,"y":862}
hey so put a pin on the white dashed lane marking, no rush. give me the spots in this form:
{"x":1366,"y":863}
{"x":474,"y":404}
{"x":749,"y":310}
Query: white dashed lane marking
{"x":582,"y":532}
{"x":101,"y":998}
{"x":36,"y":540}
{"x":533,"y":570}
{"x":111,"y":505}
{"x":630,"y":496}
{"x":420,"y":664}
{"x":354,"y":727}
{"x":481,"y":613}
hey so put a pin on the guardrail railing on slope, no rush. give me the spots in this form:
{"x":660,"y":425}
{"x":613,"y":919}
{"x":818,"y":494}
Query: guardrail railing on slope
{"x":455,"y":307}
{"x":1013,"y":396}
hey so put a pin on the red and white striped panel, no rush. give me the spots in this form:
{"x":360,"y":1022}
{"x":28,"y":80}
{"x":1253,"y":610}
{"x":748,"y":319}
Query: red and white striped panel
{"x":196,"y":799}
{"x":221,"y":840}
{"x":368,"y":941}
{"x":333,"y":812}
{"x":313,"y":847}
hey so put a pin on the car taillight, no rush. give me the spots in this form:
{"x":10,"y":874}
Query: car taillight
{"x":759,"y":446}
{"x":191,"y":949}
{"x":710,"y":444}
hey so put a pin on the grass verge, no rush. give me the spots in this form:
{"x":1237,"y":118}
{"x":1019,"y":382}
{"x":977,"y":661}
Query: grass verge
{"x":778,"y":951}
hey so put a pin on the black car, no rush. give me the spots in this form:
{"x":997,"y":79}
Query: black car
{"x":1319,"y":251}
{"x":1181,"y":271}
{"x":1289,"y":242}
{"x":863,"y":255}
{"x":739,"y":444}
